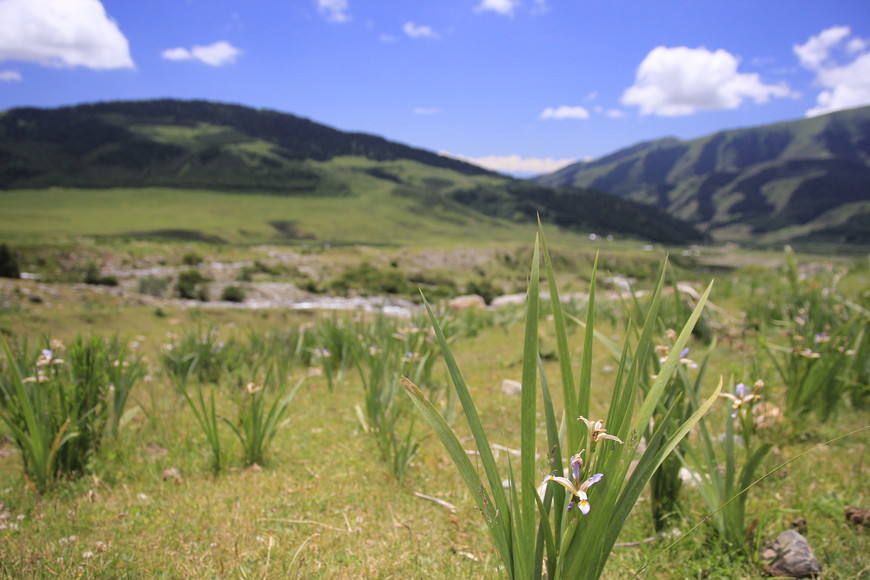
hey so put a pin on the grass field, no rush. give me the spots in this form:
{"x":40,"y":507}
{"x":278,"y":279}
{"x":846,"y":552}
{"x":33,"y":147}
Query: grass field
{"x":325,"y":504}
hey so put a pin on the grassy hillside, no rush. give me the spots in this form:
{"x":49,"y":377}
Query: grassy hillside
{"x":329,"y":185}
{"x":763,"y":182}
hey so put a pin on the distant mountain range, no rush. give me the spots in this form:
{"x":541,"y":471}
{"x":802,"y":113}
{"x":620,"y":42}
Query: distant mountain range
{"x":800,"y":181}
{"x":230,"y":148}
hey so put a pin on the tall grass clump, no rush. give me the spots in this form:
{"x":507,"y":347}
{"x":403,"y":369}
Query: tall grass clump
{"x":199,"y":355}
{"x":260,"y":417}
{"x":724,"y":466}
{"x":390,"y":352}
{"x":207,"y":419}
{"x":820,"y":336}
{"x":337,"y":345}
{"x":60,"y":410}
{"x":570,"y":529}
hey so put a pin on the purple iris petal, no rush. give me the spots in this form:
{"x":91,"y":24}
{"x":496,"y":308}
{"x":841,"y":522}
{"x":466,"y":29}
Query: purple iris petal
{"x":575,"y":469}
{"x":570,"y":505}
{"x":741,"y":390}
{"x":685,"y":352}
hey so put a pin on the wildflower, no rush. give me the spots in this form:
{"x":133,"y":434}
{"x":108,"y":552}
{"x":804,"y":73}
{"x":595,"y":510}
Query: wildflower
{"x":252,"y":388}
{"x":44,"y":358}
{"x":664,"y":351}
{"x":742,"y":395}
{"x":578,"y":490}
{"x":809,"y":353}
{"x":598,"y":431}
{"x":687,"y":361}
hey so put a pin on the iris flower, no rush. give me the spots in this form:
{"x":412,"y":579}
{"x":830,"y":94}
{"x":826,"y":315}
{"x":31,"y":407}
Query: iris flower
{"x":742,"y":395}
{"x":578,"y":490}
{"x":598,"y":431}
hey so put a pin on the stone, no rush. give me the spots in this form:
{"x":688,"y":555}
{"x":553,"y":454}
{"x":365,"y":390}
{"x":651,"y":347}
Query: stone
{"x":790,"y":555}
{"x":511,"y":387}
{"x":466,"y":302}
{"x":858,"y":516}
{"x":173,"y":474}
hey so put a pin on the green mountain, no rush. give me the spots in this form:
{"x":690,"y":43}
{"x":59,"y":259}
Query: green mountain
{"x":799,"y":181}
{"x":206,"y":146}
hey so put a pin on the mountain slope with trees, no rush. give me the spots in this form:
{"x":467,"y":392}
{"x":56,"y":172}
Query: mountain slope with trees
{"x":805,"y":180}
{"x":234,"y":149}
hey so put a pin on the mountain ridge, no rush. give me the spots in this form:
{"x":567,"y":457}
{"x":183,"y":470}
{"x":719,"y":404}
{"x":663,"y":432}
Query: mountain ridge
{"x":187,"y":145}
{"x":771,"y":178}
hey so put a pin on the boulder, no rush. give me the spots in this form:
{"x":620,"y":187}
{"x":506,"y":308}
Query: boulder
{"x":466,"y":302}
{"x":790,"y":555}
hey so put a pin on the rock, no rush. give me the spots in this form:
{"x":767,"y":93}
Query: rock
{"x":511,"y":387}
{"x":509,"y":300}
{"x":173,"y":474}
{"x":790,"y":555}
{"x":858,"y":516}
{"x":466,"y":302}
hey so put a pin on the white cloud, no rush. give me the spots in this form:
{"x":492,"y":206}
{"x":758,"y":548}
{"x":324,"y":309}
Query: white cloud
{"x":9,"y":76}
{"x":62,"y":33}
{"x":387,"y":38}
{"x":503,"y":7}
{"x":817,"y":50}
{"x":610,"y":113}
{"x":514,"y":164}
{"x":426,"y":110}
{"x":845,"y":84}
{"x":682,"y":81}
{"x":334,"y":10}
{"x":415,"y":31}
{"x":564,"y":112}
{"x":215,"y":54}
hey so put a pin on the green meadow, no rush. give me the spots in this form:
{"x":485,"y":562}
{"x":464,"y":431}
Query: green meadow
{"x":149,"y":436}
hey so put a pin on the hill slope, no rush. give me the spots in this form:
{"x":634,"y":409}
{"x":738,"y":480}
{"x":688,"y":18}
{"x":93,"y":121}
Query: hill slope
{"x":806,"y":180}
{"x":200,"y":145}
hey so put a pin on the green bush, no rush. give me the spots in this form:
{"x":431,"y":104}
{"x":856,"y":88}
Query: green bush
{"x":192,"y":285}
{"x":154,"y":285}
{"x":191,"y":259}
{"x":366,"y":279}
{"x":233,"y":294}
{"x":93,"y":276}
{"x":483,"y":288}
{"x":8,"y":263}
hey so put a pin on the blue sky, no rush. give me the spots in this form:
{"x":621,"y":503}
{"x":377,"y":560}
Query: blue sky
{"x":520,"y":86}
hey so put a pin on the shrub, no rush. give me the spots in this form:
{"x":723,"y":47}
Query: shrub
{"x":154,"y":285}
{"x":368,"y":279}
{"x":191,"y":259}
{"x":192,"y":285}
{"x":93,"y":276}
{"x":483,"y":288}
{"x":233,"y":294}
{"x":8,"y":263}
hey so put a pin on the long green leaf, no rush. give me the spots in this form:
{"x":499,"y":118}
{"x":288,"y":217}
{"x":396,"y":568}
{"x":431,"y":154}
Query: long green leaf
{"x":528,"y":418}
{"x":572,"y":409}
{"x":460,"y":458}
